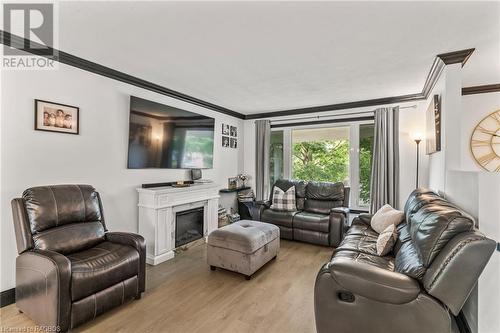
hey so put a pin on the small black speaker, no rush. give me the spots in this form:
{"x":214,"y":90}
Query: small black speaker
{"x":195,"y":174}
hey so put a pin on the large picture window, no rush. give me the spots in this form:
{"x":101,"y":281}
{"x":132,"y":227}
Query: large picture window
{"x":332,"y":153}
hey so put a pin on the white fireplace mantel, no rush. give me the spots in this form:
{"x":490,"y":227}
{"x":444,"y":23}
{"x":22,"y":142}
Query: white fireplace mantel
{"x":157,"y":212}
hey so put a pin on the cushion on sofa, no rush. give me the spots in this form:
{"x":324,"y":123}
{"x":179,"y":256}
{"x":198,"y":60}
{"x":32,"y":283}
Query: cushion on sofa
{"x":311,"y":221}
{"x":100,"y":267}
{"x":321,"y":197}
{"x":386,"y":216}
{"x":377,"y":261}
{"x":408,"y":262}
{"x":359,"y":243}
{"x":280,"y":218}
{"x":361,"y":228}
{"x":284,"y":200}
{"x":300,"y":190}
{"x":433,"y":225}
{"x":386,"y":240}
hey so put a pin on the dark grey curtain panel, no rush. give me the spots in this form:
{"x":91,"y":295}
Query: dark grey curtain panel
{"x":384,"y":187}
{"x":262,"y":146}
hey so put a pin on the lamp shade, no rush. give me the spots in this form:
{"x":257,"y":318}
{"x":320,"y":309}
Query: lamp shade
{"x":417,"y":135}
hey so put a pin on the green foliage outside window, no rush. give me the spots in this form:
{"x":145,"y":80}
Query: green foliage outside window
{"x":365,"y":168}
{"x":328,"y":160}
{"x":325,"y":160}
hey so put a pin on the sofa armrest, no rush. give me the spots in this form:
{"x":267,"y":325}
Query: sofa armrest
{"x":264,"y":203}
{"x":365,"y":218}
{"x":260,"y":206}
{"x":137,"y":242}
{"x":341,"y":210}
{"x":43,"y":281}
{"x":373,"y":282}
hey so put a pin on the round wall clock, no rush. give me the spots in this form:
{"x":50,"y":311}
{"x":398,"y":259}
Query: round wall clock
{"x":485,"y":142}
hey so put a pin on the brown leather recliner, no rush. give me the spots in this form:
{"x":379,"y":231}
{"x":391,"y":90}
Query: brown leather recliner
{"x":419,"y":287}
{"x":321,"y":216}
{"x":70,"y":269}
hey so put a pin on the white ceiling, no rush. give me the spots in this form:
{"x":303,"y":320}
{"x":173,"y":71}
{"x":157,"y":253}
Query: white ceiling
{"x":263,"y":56}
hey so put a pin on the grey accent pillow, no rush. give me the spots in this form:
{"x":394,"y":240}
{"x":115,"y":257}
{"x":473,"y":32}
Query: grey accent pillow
{"x":284,"y":201}
{"x":386,"y":240}
{"x":386,"y":216}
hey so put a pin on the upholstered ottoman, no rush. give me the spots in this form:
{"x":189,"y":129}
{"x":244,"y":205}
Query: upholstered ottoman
{"x":243,"y":246}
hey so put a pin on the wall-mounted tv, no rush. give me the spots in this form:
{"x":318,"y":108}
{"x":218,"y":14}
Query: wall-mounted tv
{"x":161,"y":136}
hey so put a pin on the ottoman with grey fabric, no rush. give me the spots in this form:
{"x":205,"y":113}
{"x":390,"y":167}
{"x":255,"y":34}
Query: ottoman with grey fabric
{"x":243,"y":246}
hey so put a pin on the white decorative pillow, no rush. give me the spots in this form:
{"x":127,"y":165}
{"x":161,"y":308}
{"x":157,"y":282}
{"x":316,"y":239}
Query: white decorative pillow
{"x":284,"y":201}
{"x":386,"y":240}
{"x":386,"y":216}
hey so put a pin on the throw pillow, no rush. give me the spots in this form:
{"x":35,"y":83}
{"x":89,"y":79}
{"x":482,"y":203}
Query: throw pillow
{"x":284,"y":201}
{"x":386,"y":216}
{"x":386,"y":240}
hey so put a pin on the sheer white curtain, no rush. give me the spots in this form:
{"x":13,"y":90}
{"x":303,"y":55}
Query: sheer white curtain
{"x":385,"y":166}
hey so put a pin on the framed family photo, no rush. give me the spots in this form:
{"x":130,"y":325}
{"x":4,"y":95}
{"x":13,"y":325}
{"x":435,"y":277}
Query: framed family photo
{"x":56,"y":117}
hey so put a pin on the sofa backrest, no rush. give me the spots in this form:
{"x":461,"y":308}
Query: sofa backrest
{"x":321,"y":197}
{"x":61,"y":218}
{"x":439,"y":245}
{"x":315,"y":197}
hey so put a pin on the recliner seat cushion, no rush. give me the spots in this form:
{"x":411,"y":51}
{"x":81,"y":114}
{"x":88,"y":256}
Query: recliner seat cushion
{"x":311,"y":221}
{"x":53,"y":206}
{"x":360,"y":228}
{"x":100,"y":267}
{"x":386,"y":262}
{"x":278,"y":217}
{"x":359,"y":243}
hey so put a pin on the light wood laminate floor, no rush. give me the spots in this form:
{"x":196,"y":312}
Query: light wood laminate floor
{"x":183,"y":295}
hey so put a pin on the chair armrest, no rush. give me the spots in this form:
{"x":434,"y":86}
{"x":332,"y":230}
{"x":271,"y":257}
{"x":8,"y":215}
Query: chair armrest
{"x":137,"y":242}
{"x":373,"y":282}
{"x":43,"y":281}
{"x":341,"y":210}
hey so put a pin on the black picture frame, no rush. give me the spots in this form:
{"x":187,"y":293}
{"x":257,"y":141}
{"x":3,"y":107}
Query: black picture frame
{"x":225,"y":141}
{"x":433,"y":126}
{"x":39,"y":120}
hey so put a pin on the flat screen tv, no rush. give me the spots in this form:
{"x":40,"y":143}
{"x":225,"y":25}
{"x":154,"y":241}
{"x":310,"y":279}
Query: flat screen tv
{"x":161,"y":136}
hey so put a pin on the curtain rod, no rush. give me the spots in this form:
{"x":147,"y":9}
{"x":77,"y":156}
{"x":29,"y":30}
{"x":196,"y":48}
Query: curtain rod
{"x":338,"y":114}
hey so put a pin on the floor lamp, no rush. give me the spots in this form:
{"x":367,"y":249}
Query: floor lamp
{"x":417,"y":137}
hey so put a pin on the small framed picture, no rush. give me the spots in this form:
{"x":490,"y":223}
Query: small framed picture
{"x":225,"y":129}
{"x":225,"y":141}
{"x":56,"y":117}
{"x":232,"y":183}
{"x":233,"y":131}
{"x":234,"y":143}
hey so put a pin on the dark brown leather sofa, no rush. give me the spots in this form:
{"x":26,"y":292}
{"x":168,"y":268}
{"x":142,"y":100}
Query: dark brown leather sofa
{"x":321,"y":215}
{"x":70,"y":269}
{"x":419,"y":287}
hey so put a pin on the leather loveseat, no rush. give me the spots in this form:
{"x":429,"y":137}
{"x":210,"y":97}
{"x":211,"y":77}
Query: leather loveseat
{"x":419,"y":287}
{"x":70,"y":268}
{"x":321,"y":215}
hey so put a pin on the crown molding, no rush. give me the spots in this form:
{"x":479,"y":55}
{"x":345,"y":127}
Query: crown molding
{"x":439,"y":63}
{"x":340,"y":106}
{"x":487,"y":88}
{"x":456,"y":57}
{"x":19,"y":43}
